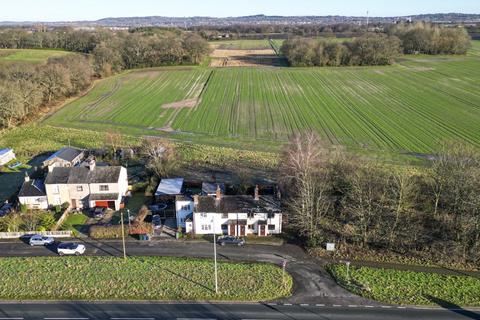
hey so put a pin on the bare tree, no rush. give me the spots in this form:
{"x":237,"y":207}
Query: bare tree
{"x":160,"y":155}
{"x":304,"y":171}
{"x":402,"y":193}
{"x":114,"y":140}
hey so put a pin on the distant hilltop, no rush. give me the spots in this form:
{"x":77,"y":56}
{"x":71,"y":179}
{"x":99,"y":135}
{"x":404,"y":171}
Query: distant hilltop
{"x":250,"y":20}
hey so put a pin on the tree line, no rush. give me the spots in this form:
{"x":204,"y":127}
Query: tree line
{"x":114,"y":51}
{"x":270,"y":30}
{"x":336,"y":197}
{"x":24,"y":88}
{"x":377,"y":48}
{"x":367,"y":50}
{"x":431,"y":39}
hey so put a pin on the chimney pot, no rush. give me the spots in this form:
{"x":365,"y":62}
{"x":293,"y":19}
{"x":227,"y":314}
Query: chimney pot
{"x":195,"y":199}
{"x":27,"y":177}
{"x":218,"y":193}
{"x":257,"y":195}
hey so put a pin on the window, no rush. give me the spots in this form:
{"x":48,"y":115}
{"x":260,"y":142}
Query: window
{"x":270,"y":215}
{"x":251,"y":214}
{"x":206,"y":227}
{"x":104,"y":187}
{"x":250,"y":227}
{"x":271,"y":227}
{"x":186,"y":208}
{"x":203,"y":215}
{"x":56,"y":189}
{"x":224,"y":215}
{"x":79,"y":188}
{"x":224,"y":227}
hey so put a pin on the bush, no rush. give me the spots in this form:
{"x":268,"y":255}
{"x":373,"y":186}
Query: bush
{"x":47,"y":220}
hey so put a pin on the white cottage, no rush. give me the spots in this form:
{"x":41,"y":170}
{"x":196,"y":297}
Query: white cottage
{"x":238,"y":215}
{"x":33,"y":194}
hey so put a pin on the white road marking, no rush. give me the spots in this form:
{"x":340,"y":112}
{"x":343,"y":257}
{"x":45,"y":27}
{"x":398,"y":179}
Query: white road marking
{"x":304,"y":304}
{"x":386,"y":307}
{"x":287,"y":304}
{"x":271,"y":304}
{"x":132,"y":318}
{"x":368,"y":306}
{"x":320,"y":305}
{"x":401,"y":307}
{"x":195,"y":319}
{"x":11,"y":318}
{"x":352,"y":306}
{"x":62,"y":318}
{"x":337,"y":305}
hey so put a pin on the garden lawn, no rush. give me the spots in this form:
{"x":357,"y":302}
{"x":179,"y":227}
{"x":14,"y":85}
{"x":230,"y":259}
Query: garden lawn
{"x":409,"y":288}
{"x":140,"y":278}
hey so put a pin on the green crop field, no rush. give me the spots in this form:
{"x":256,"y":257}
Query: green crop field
{"x":34,"y":56}
{"x":241,"y":44}
{"x":407,"y":107}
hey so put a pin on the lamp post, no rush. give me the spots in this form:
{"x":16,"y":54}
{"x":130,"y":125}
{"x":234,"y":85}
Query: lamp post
{"x":128,"y":213}
{"x":215,"y":255}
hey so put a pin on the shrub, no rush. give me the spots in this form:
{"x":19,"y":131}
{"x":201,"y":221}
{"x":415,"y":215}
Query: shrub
{"x":47,"y":221}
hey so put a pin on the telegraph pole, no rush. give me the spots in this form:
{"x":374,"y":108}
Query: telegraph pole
{"x":215,"y":256}
{"x":123,"y":237}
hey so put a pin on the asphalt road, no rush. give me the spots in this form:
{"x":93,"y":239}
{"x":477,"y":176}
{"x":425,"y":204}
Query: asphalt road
{"x":153,"y":311}
{"x":316,"y":295}
{"x":312,"y":284}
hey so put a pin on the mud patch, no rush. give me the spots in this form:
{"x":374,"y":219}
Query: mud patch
{"x":188,"y":103}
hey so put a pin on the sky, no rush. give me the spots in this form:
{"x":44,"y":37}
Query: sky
{"x":69,"y":10}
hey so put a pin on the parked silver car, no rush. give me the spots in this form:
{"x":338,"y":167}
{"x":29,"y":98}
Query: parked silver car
{"x":39,"y":240}
{"x":70,"y":248}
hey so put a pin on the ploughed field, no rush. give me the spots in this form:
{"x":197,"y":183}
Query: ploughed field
{"x":406,"y":107}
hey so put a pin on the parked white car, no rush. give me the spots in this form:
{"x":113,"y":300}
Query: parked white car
{"x":70,"y":248}
{"x":38,"y":240}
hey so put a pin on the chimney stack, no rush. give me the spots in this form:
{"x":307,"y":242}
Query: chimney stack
{"x":257,"y":195}
{"x":92,"y":164}
{"x":27,"y":177}
{"x":195,"y":200}
{"x":218,"y":193}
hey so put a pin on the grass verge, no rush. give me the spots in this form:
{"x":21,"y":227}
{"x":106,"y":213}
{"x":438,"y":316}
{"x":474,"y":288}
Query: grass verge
{"x":139,"y":278}
{"x":409,"y":288}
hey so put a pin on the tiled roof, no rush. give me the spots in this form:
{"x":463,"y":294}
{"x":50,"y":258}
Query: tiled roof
{"x":67,"y":154}
{"x":83,"y":175}
{"x":237,"y":204}
{"x":32,"y":188}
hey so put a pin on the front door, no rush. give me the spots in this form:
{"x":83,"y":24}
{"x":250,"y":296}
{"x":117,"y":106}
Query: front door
{"x":74,"y":203}
{"x":242,"y":231}
{"x":232,"y":230}
{"x":262,"y":231}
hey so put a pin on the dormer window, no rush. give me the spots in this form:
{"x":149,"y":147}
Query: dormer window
{"x":79,"y":188}
{"x":104,"y":187}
